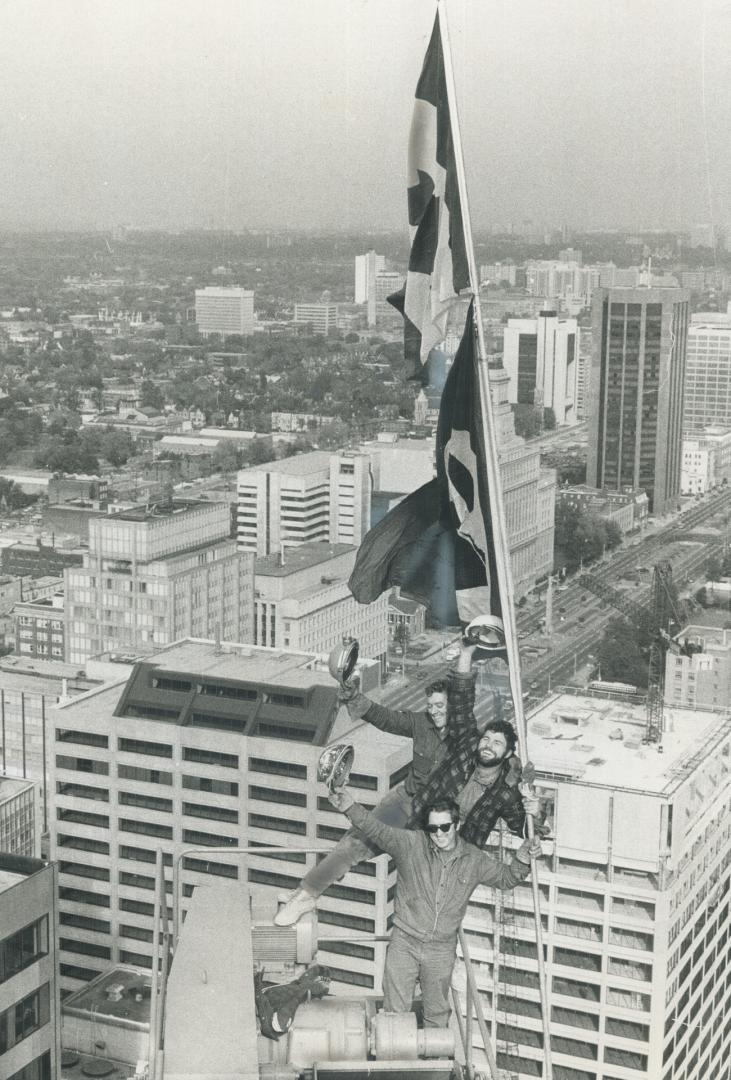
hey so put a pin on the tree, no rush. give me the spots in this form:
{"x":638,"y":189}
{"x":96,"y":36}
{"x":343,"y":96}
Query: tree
{"x":714,"y":568}
{"x":549,"y":419}
{"x":527,"y":420}
{"x":151,"y":396}
{"x":620,"y":656}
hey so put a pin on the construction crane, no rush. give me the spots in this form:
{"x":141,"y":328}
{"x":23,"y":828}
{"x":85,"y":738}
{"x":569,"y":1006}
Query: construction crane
{"x":653,"y":621}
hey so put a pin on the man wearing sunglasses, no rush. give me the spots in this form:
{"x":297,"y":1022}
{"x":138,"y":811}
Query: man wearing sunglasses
{"x":448,"y":717}
{"x":437,"y":873}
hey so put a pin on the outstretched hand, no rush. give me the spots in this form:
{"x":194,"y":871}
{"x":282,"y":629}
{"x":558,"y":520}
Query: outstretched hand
{"x":341,"y":799}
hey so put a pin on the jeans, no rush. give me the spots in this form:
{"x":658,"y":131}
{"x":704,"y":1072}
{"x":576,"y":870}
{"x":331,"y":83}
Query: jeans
{"x":394,"y":809}
{"x":430,"y":963}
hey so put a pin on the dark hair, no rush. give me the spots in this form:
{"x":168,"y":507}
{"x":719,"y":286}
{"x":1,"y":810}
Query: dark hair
{"x":503,"y":728}
{"x":439,"y":686}
{"x":438,"y":806}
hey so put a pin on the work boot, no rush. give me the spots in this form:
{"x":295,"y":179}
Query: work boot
{"x":299,"y":903}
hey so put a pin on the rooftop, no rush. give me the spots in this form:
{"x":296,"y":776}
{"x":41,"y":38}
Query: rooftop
{"x":120,"y":995}
{"x":155,"y":511}
{"x":16,"y":868}
{"x":599,"y":741}
{"x":301,"y":557}
{"x":300,"y":465}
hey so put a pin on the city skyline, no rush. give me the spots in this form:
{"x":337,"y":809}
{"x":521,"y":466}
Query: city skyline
{"x":279,"y":116}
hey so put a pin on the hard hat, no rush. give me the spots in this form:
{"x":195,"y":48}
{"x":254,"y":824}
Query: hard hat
{"x":342,"y":660}
{"x":335,"y":764}
{"x":487,"y":632}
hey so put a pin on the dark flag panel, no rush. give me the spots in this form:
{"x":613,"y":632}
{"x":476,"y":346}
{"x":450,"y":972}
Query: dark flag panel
{"x":438,"y":270}
{"x":438,"y":540}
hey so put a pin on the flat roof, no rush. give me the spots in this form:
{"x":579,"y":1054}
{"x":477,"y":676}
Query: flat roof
{"x":599,"y":741}
{"x":113,"y":997}
{"x":299,"y":465}
{"x":298,"y":558}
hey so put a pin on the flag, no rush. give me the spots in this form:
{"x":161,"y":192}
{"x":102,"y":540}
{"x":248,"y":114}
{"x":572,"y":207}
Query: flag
{"x":438,"y":270}
{"x":438,"y":542}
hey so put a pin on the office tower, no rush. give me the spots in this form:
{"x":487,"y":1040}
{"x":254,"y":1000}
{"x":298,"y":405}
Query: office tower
{"x":320,"y":317}
{"x":155,"y":574}
{"x":366,"y":268}
{"x":706,"y":460}
{"x":29,"y":1006}
{"x":708,"y":372}
{"x":583,"y":371}
{"x":636,"y":396}
{"x":224,"y":310}
{"x":208,"y":747}
{"x":314,"y":496}
{"x":302,"y":601}
{"x":540,"y":355}
{"x":634,"y":900}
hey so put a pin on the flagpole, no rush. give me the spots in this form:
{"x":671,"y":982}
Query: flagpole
{"x":492,"y":468}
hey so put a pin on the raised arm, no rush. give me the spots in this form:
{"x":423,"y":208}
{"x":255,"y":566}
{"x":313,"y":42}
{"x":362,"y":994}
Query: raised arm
{"x":396,"y":842}
{"x":461,"y":680}
{"x":361,"y":707}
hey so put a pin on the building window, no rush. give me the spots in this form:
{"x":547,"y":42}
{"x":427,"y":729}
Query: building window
{"x":139,"y":933}
{"x":210,"y":757}
{"x":146,"y":828}
{"x":140,"y":854}
{"x":268,"y":877}
{"x":145,"y":776}
{"x":82,"y":738}
{"x":213,"y":813}
{"x":83,"y":896}
{"x":24,"y":947}
{"x":217,"y":787}
{"x":82,"y":791}
{"x":204,"y":839}
{"x":98,"y":873}
{"x":88,"y":765}
{"x":85,"y":922}
{"x":85,"y":948}
{"x":350,"y":922}
{"x":140,"y":746}
{"x":262,"y":821}
{"x":352,"y":978}
{"x":278,"y":768}
{"x":207,"y":866}
{"x":277,"y":795}
{"x":25,"y":1017}
{"x":147,"y":802}
{"x":40,"y":1069}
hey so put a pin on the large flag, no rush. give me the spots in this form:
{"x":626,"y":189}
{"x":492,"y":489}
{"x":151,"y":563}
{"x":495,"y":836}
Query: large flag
{"x":438,"y":270}
{"x":437,"y":544}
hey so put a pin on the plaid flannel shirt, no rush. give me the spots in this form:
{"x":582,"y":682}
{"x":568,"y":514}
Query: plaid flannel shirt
{"x":501,"y":800}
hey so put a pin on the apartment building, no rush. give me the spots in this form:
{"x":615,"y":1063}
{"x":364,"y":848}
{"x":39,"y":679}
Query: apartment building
{"x":311,"y":497}
{"x":153,"y":575}
{"x":208,"y":747}
{"x":540,"y":355}
{"x":634,"y":895}
{"x":39,"y":627}
{"x":699,"y":675}
{"x":30,"y":1047}
{"x":224,"y":310}
{"x":302,"y":601}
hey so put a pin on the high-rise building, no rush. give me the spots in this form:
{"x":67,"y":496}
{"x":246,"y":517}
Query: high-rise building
{"x":314,"y":496}
{"x":208,"y":747}
{"x":540,"y":356}
{"x":366,"y":268}
{"x":156,"y":574}
{"x":21,"y":819}
{"x":708,"y":371}
{"x":636,"y":397}
{"x":30,"y":1046}
{"x":302,"y":601}
{"x":634,"y":897}
{"x":224,"y":310}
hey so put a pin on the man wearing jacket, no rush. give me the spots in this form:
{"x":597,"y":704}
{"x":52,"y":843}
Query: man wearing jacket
{"x":448,"y":717}
{"x":437,"y":874}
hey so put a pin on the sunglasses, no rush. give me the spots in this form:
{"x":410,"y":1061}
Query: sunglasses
{"x":444,"y":827}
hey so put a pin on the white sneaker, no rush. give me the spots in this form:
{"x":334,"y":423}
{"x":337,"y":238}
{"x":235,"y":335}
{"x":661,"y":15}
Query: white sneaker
{"x":299,"y":903}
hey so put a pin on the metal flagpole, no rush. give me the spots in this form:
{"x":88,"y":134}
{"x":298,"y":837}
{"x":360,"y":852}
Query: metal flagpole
{"x":492,"y":469}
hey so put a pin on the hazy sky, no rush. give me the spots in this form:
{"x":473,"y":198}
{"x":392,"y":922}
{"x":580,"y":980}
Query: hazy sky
{"x":249,"y":113}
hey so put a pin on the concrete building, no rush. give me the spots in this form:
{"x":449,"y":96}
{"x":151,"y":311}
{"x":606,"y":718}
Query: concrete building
{"x":314,"y":496}
{"x":634,"y":900}
{"x":39,"y":627}
{"x":106,"y":1024}
{"x":30,"y":1045}
{"x":321,"y":317}
{"x":706,"y":460}
{"x":38,"y":559}
{"x":583,"y":371}
{"x":302,"y":601}
{"x":400,"y":465}
{"x":699,"y":677}
{"x":224,"y":310}
{"x":21,"y":818}
{"x":627,"y":509}
{"x":208,"y":747}
{"x":155,"y":575}
{"x":708,"y":372}
{"x":65,"y":487}
{"x":540,"y":356}
{"x":638,"y":370}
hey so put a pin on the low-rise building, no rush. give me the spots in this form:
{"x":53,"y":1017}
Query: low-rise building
{"x":706,"y":460}
{"x":302,"y":601}
{"x":628,"y":510}
{"x":39,"y":627}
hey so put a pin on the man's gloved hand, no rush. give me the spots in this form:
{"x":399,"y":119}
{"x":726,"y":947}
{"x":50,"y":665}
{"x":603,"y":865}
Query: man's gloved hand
{"x":347,"y":691}
{"x":528,"y":773}
{"x":341,"y":799}
{"x":532,"y":805}
{"x":529,"y":849}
